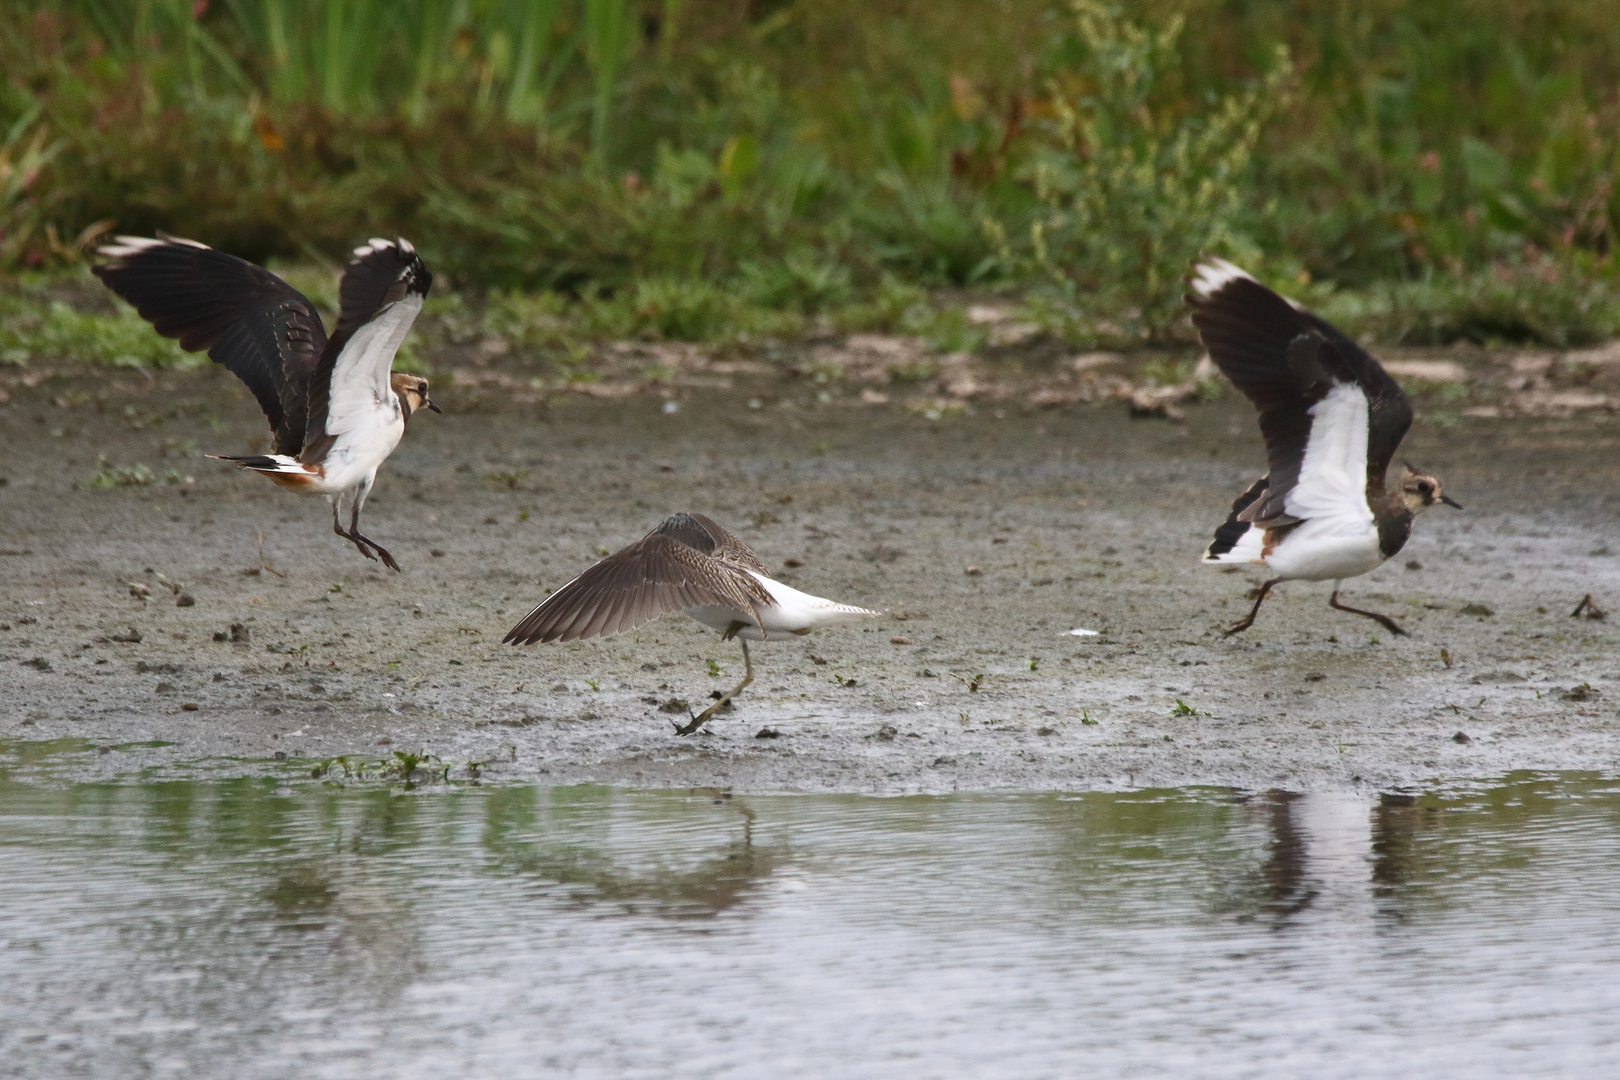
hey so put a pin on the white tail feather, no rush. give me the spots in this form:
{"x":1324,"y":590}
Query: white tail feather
{"x":267,"y":463}
{"x":797,"y":610}
{"x":1250,"y":548}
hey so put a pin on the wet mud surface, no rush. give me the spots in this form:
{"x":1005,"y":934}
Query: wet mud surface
{"x":988,"y":535}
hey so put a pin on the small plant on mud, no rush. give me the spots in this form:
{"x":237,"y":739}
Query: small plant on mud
{"x":406,"y":763}
{"x":109,"y":475}
{"x":509,"y":478}
{"x":1183,"y":709}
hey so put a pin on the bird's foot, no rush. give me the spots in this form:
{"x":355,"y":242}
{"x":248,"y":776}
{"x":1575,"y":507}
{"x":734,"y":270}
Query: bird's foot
{"x":697,"y":721}
{"x":1238,"y":627}
{"x":1383,"y":620}
{"x":707,"y":714}
{"x":382,"y":552}
{"x":1389,"y":624}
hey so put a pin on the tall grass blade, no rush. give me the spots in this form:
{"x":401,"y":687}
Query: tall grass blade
{"x":524,"y":99}
{"x":606,"y":44}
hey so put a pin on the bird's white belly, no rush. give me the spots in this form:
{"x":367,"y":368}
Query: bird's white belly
{"x":776,"y":625}
{"x":356,"y":455}
{"x":721,"y":619}
{"x":792,"y":612}
{"x":1325,"y":554}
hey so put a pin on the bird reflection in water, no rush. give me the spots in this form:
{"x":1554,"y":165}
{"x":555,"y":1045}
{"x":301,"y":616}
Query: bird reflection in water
{"x":1281,"y":886}
{"x":640,"y":882}
{"x":1398,"y":825}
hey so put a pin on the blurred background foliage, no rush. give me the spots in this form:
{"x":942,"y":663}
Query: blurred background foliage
{"x":1426,"y":169}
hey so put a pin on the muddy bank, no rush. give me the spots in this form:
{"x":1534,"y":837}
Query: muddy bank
{"x":988,"y":534}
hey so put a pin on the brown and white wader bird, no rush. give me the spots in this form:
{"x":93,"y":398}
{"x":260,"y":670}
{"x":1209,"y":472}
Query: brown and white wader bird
{"x":687,"y":564}
{"x":1332,"y":419}
{"x":336,"y":408}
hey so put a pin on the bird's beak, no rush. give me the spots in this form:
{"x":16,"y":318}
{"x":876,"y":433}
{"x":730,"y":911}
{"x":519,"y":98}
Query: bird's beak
{"x":1449,"y":501}
{"x":426,"y":404}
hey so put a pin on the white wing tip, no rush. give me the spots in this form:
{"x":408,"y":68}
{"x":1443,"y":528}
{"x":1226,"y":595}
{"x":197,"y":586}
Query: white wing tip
{"x":122,"y":247}
{"x":378,"y":243}
{"x":1213,"y":275}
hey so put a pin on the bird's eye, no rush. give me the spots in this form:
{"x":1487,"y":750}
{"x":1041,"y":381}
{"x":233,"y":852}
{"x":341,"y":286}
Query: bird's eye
{"x":1426,"y":488}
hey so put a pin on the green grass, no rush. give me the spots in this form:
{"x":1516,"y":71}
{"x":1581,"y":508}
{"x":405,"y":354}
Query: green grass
{"x":65,"y":317}
{"x":35,"y":326}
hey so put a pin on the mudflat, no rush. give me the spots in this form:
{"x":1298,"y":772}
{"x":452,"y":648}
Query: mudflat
{"x":988,"y":536}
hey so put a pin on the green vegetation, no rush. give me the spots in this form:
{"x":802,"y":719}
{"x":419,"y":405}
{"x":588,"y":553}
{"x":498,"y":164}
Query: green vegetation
{"x":34,"y":324}
{"x":1424,"y":170}
{"x":109,"y":475}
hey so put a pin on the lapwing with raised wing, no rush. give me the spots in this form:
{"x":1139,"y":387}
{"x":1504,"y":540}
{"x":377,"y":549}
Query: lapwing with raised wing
{"x":336,"y":408}
{"x":1332,"y":418}
{"x":688,"y":564}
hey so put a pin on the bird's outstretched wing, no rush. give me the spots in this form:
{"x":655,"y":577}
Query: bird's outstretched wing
{"x":704,"y":534}
{"x":657,"y":574}
{"x":263,"y":330}
{"x":382,"y":292}
{"x":1288,"y":362}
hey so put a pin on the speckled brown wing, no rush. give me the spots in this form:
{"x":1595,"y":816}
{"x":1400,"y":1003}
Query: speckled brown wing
{"x":655,"y":575}
{"x":702,"y":533}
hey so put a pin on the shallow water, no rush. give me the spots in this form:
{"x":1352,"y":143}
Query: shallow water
{"x":264,"y":928}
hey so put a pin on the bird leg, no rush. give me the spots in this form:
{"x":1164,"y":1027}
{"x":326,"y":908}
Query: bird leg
{"x":354,"y":534}
{"x":1259,"y":595}
{"x":703,"y":717}
{"x":365,"y":544}
{"x":1389,"y":624}
{"x":357,"y":541}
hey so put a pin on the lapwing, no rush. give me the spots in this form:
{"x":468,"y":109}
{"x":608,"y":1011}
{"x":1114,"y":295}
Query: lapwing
{"x":689,"y":564}
{"x":336,"y":409}
{"x":1331,"y":417}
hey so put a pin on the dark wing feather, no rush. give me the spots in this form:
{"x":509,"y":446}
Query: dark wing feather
{"x":701,"y":533}
{"x":653,"y":576}
{"x":1233,"y":528}
{"x":1389,"y":412}
{"x":379,"y":273}
{"x":1285,"y":360}
{"x":263,"y":330}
